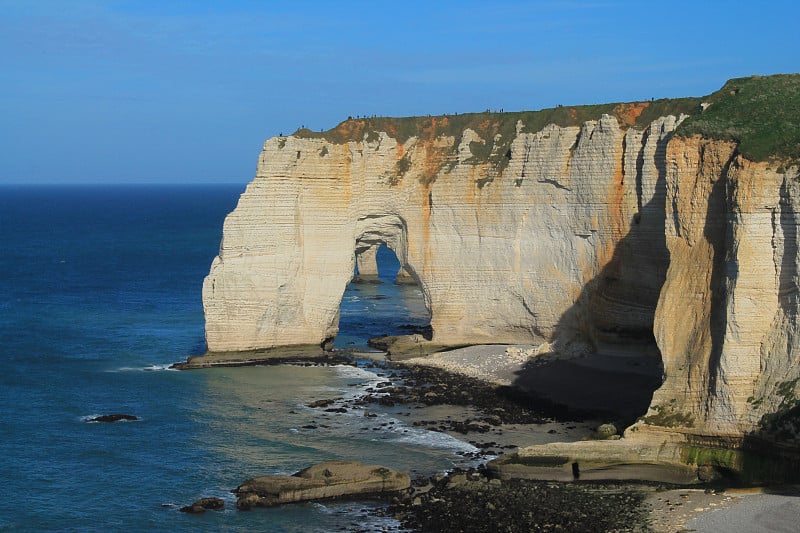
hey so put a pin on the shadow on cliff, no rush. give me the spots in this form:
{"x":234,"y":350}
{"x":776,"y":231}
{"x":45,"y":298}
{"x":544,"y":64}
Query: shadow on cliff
{"x":600,"y":364}
{"x":605,"y":358}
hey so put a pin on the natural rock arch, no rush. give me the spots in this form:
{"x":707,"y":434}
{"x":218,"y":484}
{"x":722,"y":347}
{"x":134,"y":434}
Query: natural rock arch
{"x":390,"y":230}
{"x":498,"y":260}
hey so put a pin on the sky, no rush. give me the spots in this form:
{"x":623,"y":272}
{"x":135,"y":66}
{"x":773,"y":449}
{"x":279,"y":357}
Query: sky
{"x":169,"y":91}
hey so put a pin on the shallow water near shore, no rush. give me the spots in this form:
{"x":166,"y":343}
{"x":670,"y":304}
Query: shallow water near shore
{"x":100,"y":294}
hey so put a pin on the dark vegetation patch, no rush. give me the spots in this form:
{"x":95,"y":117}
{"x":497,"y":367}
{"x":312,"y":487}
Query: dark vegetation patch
{"x":667,"y":415}
{"x":784,"y":423}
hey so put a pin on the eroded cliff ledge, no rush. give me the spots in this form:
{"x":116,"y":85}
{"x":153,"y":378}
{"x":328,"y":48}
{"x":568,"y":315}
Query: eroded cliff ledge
{"x":577,"y":227}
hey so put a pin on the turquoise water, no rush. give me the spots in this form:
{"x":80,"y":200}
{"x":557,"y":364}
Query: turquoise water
{"x":99,"y":294}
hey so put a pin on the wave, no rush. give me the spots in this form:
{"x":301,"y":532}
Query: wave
{"x":391,"y":429}
{"x":368,"y":379}
{"x":425,"y":437}
{"x":149,"y":368}
{"x":356,"y":372}
{"x":368,"y":522}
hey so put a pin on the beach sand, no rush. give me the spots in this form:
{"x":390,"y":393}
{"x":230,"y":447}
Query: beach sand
{"x":616,"y":386}
{"x":752,"y":511}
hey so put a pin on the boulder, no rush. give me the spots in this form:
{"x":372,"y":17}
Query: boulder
{"x":204,"y":504}
{"x":331,"y":479}
{"x":606,"y":431}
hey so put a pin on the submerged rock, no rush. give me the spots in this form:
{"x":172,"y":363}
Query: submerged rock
{"x":331,"y":479}
{"x":113,"y":418}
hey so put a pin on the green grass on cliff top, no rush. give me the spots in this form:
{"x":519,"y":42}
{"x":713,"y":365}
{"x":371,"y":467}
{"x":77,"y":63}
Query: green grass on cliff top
{"x":761,"y":113}
{"x":488,"y":124}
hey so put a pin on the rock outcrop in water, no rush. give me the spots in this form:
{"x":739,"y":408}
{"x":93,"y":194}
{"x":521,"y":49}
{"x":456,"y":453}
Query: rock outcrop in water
{"x":582,"y":227}
{"x":331,"y":479}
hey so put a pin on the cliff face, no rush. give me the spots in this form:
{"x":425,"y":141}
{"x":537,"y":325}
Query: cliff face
{"x":575,"y":237}
{"x":726,"y":320}
{"x":511,"y":255}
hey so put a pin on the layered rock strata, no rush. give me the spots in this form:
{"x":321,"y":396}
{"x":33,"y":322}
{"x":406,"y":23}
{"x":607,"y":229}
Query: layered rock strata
{"x":726,"y":319}
{"x":607,"y":233}
{"x":517,"y":259}
{"x":367,"y":264}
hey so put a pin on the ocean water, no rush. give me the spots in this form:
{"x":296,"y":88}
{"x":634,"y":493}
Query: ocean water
{"x":100,"y":292}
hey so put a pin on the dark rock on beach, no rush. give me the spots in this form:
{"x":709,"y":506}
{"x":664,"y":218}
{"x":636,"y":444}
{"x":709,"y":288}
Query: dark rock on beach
{"x":501,"y":405}
{"x":113,"y":418}
{"x":471,"y":501}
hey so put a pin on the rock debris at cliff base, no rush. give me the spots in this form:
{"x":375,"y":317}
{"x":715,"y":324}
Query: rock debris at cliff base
{"x":470,"y":502}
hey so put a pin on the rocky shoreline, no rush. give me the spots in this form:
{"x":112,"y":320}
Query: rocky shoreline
{"x":493,"y":418}
{"x":473,"y":501}
{"x":498,"y":418}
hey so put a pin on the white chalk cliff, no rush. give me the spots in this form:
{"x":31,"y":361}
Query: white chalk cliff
{"x":500,"y":261}
{"x":608,"y":232}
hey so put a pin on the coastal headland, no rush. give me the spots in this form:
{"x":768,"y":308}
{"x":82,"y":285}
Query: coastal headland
{"x":659,"y":235}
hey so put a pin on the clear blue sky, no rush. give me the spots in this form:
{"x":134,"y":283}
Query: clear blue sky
{"x":186,"y":91}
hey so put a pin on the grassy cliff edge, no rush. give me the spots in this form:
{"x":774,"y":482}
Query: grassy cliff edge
{"x":761,"y":113}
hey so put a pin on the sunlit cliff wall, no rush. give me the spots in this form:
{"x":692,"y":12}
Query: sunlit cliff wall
{"x":511,"y":255}
{"x":554,"y":229}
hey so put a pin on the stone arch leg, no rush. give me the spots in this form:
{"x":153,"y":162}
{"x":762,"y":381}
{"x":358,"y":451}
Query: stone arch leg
{"x":367,"y":264}
{"x":404,"y":278}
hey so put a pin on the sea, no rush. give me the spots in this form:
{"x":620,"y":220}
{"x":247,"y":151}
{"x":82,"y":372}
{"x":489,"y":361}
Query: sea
{"x":100,"y":293}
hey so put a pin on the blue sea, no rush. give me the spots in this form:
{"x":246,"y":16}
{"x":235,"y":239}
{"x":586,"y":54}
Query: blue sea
{"x":100,"y":292}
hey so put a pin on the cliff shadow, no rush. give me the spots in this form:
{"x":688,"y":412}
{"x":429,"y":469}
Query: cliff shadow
{"x":604,"y":356}
{"x":598,"y":364}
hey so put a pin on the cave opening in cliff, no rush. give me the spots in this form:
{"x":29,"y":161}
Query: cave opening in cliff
{"x":382,"y":299}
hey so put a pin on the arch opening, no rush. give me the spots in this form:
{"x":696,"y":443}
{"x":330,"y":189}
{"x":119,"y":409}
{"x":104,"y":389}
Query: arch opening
{"x":385,"y":297}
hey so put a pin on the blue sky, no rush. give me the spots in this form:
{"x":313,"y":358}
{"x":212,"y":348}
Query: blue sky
{"x":136,"y":91}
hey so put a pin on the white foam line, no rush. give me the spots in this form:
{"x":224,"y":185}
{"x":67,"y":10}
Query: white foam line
{"x":426,"y":437}
{"x":150,"y":368}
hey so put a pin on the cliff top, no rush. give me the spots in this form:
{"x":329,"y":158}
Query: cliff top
{"x":490,"y":123}
{"x":762,"y":113}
